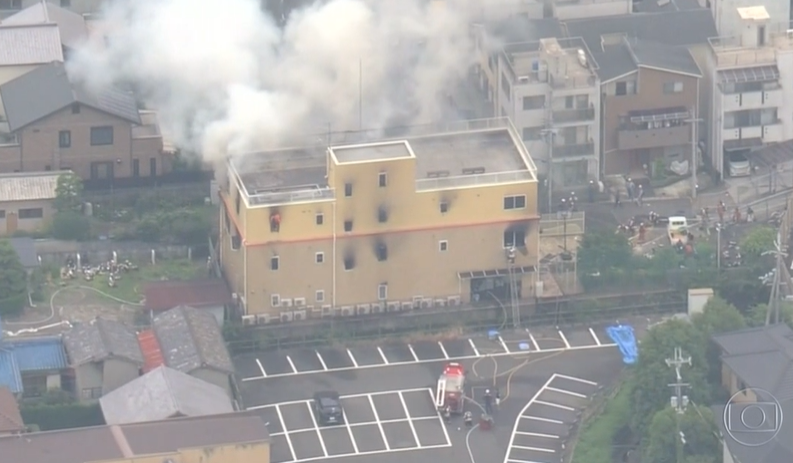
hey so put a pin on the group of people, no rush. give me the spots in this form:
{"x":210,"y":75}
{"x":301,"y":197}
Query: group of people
{"x":490,"y":402}
{"x":635,"y":193}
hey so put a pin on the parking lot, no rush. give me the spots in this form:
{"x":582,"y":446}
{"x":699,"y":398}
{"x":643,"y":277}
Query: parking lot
{"x":375,"y":423}
{"x":543,"y":426}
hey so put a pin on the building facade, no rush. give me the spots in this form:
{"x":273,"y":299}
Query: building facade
{"x":426,"y":220}
{"x":750,"y":99}
{"x":26,"y":201}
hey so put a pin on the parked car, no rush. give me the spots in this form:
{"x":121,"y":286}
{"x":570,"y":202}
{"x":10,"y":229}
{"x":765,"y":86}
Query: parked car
{"x":328,"y":408}
{"x":739,"y":164}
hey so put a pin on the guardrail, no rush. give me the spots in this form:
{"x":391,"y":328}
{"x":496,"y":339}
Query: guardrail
{"x":496,"y":178}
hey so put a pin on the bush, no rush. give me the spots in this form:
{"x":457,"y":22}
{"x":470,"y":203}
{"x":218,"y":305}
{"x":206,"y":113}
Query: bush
{"x":49,"y":417}
{"x":71,"y":226}
{"x":596,"y":441}
{"x":180,"y":226}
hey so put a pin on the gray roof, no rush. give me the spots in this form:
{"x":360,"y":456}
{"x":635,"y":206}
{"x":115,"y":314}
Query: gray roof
{"x":101,"y":339}
{"x":71,"y":25}
{"x":47,"y":89}
{"x":26,"y":250}
{"x":30,"y":44}
{"x":659,"y":6}
{"x":161,"y":394}
{"x":615,"y":61}
{"x":780,"y":449}
{"x":190,"y":339}
{"x":519,"y":29}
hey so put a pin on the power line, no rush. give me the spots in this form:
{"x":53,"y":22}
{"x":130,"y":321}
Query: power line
{"x":679,"y":401}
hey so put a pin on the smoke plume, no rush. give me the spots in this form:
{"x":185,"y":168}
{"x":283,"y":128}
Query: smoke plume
{"x":226,"y":79}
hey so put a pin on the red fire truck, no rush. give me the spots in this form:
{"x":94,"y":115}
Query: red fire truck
{"x":451,"y":389}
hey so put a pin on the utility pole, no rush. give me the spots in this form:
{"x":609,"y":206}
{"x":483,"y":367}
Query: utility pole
{"x":693,"y":120}
{"x":773,"y":300}
{"x":549,"y":134}
{"x":678,"y":400}
{"x":513,"y":288}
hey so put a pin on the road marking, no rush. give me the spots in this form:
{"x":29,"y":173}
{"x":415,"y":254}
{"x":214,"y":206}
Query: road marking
{"x":352,"y":358}
{"x":410,"y":422}
{"x":283,"y":426}
{"x":544,"y":420}
{"x":521,"y":415}
{"x":372,"y":452}
{"x":350,"y":396}
{"x":443,"y":349}
{"x":564,"y":339}
{"x":382,"y":355}
{"x":291,"y":364}
{"x":534,"y":449}
{"x":534,"y":342}
{"x":470,"y":341}
{"x":379,"y":424}
{"x":594,"y":336}
{"x":551,"y":404}
{"x":537,"y":434}
{"x":440,"y":420}
{"x":566,"y":392}
{"x":349,"y":431}
{"x":503,"y":344}
{"x":366,"y":423}
{"x":316,"y":428}
{"x":413,"y":353}
{"x":580,"y":380}
{"x":512,"y":460}
{"x":321,"y":361}
{"x":261,"y":368}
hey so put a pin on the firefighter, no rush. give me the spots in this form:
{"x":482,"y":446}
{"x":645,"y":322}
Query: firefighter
{"x":447,"y":414}
{"x":468,"y":419}
{"x":488,"y":402}
{"x":498,"y":398}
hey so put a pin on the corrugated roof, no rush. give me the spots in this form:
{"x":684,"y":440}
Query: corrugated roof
{"x":71,"y":25}
{"x":38,"y":354}
{"x":28,"y":186}
{"x":150,"y":347}
{"x":190,"y":339}
{"x":102,"y":339}
{"x":161,"y":394}
{"x":30,"y":44}
{"x":9,"y":371}
{"x":10,"y":417}
{"x":164,"y":295}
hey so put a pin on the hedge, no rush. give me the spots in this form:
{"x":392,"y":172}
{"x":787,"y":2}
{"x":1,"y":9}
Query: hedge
{"x":49,"y":417}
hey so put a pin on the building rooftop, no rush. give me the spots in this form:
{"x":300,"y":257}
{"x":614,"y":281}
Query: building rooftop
{"x":744,"y":52}
{"x":18,"y":356}
{"x":72,"y":27}
{"x":369,"y":152}
{"x":30,"y":44}
{"x":562,"y":62}
{"x":164,"y":295}
{"x":102,"y":339}
{"x":190,"y":339}
{"x":28,"y":186}
{"x":622,"y":55}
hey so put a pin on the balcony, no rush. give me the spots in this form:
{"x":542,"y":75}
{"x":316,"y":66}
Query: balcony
{"x":567,"y":151}
{"x":290,"y":196}
{"x":573,"y":116}
{"x":573,"y":81}
{"x":752,"y":100}
{"x":630,"y":139}
{"x":767,"y":133}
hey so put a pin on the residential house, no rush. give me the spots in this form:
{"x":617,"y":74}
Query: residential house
{"x":751,"y":102}
{"x":161,"y":394}
{"x":72,"y":27}
{"x":11,"y":422}
{"x":757,"y":366}
{"x":230,"y":438}
{"x":209,"y":295}
{"x":104,"y":355}
{"x":26,"y":201}
{"x":81,"y":7}
{"x":29,"y":367}
{"x":57,"y":124}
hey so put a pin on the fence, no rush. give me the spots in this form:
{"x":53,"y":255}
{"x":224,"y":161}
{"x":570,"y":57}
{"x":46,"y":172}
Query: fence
{"x":56,"y":251}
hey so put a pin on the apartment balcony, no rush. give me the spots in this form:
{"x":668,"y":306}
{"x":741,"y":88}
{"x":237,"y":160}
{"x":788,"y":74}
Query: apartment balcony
{"x":572,"y":82}
{"x":752,"y":100}
{"x":629,"y":138}
{"x":754,"y":135}
{"x":563,"y":117}
{"x":560,"y":152}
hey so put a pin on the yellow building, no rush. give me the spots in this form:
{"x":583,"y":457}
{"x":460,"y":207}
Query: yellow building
{"x":441,"y":217}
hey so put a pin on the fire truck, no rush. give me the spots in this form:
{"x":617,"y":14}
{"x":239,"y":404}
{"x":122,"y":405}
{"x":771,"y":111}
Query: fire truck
{"x":451,"y":389}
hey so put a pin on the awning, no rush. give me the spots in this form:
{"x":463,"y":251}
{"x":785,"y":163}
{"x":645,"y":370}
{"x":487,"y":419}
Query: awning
{"x":755,"y":74}
{"x":495,"y":273}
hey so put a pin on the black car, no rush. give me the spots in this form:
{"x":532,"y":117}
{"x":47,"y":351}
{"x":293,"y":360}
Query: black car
{"x":327,"y":407}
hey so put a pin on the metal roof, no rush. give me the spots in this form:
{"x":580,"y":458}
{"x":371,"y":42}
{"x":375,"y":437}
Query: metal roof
{"x":755,"y":74}
{"x":30,"y":44}
{"x":38,"y":354}
{"x":495,"y":272}
{"x":71,"y":25}
{"x":28,"y":186}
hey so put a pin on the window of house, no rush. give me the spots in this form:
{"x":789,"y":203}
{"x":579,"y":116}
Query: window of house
{"x":621,"y":88}
{"x":381,"y":251}
{"x":91,"y":393}
{"x":236,"y":241}
{"x":136,"y":167}
{"x":237,"y":201}
{"x":514,"y":238}
{"x":673,"y":87}
{"x":443,"y":245}
{"x":506,"y":87}
{"x":532,"y":133}
{"x":582,"y":101}
{"x":533,"y":102}
{"x":320,"y":219}
{"x":348,"y":189}
{"x":319,"y":257}
{"x":35,"y":385}
{"x":319,"y":296}
{"x":382,"y":179}
{"x":275,"y":262}
{"x":348,"y":225}
{"x":2,"y":214}
{"x":275,"y":300}
{"x":153,"y":167}
{"x":382,"y":292}
{"x":48,"y":167}
{"x":75,"y":106}
{"x":382,"y":215}
{"x":349,"y":263}
{"x":515,"y":202}
{"x":569,"y":102}
{"x":34,"y":213}
{"x":444,"y":207}
{"x":64,"y":139}
{"x":101,"y":136}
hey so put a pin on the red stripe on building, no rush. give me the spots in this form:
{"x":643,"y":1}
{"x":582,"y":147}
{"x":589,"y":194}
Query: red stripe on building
{"x":152,"y":355}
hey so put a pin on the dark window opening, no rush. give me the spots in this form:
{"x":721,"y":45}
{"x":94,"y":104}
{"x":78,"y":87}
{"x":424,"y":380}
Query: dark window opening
{"x":236,"y":241}
{"x":348,"y":225}
{"x":382,"y":252}
{"x":349,"y":263}
{"x":382,"y":179}
{"x":275,"y":222}
{"x":514,"y":238}
{"x":274,"y":263}
{"x":514,"y":202}
{"x":444,"y":207}
{"x":34,"y":213}
{"x":382,"y":215}
{"x":101,"y":136}
{"x":48,"y":167}
{"x":622,"y":88}
{"x":226,"y":220}
{"x":320,"y":219}
{"x":153,"y":167}
{"x":75,"y":106}
{"x":348,"y":189}
{"x":64,"y":139}
{"x":136,"y":167}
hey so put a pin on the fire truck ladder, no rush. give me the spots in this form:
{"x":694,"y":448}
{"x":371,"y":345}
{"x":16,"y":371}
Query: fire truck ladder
{"x":440,"y":394}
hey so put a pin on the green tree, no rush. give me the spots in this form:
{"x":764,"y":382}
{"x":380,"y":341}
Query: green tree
{"x":758,"y":240}
{"x":13,"y":281}
{"x":696,"y":424}
{"x":756,"y":315}
{"x":604,"y":256}
{"x":70,"y":225}
{"x":718,"y":316}
{"x":68,"y":193}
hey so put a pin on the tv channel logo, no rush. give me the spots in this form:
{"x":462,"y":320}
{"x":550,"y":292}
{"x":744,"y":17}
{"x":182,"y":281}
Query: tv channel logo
{"x":752,"y":417}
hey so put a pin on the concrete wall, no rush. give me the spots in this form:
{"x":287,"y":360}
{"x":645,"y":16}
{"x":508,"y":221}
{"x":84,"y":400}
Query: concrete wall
{"x":118,"y":372}
{"x":567,"y":10}
{"x":56,"y":251}
{"x":87,"y":376}
{"x":728,"y":23}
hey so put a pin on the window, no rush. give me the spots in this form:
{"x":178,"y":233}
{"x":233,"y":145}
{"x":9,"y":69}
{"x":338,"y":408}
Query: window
{"x":349,"y":263}
{"x":348,"y":225}
{"x":319,"y":296}
{"x":320,"y":219}
{"x":673,"y":87}
{"x":101,"y":136}
{"x":136,"y":167}
{"x":569,"y":102}
{"x":35,"y":213}
{"x":348,"y":189}
{"x":506,"y":87}
{"x":274,"y":263}
{"x":532,"y":133}
{"x":48,"y":167}
{"x":64,"y":139}
{"x":443,"y":246}
{"x":2,"y":214}
{"x":514,"y":238}
{"x":582,"y":101}
{"x":382,"y":292}
{"x":382,"y":215}
{"x":382,"y":179}
{"x":444,"y":207}
{"x":533,"y":102}
{"x":235,"y":241}
{"x":514,"y":202}
{"x":275,"y":300}
{"x":319,"y":257}
{"x":75,"y":106}
{"x":382,"y":252}
{"x":153,"y":167}
{"x":237,"y":201}
{"x":621,"y":88}
{"x":92,"y":393}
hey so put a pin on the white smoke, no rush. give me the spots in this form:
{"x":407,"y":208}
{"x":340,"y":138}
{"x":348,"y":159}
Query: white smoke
{"x":226,"y":79}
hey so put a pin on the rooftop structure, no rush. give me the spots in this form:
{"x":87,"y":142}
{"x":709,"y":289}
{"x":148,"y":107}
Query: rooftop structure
{"x":30,"y":44}
{"x":28,"y":186}
{"x":464,"y":154}
{"x":71,"y":25}
{"x":561,"y":62}
{"x":750,"y":49}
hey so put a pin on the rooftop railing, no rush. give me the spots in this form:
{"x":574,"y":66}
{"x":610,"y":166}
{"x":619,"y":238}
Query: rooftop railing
{"x":273,"y":198}
{"x":462,"y":181}
{"x":734,"y":51}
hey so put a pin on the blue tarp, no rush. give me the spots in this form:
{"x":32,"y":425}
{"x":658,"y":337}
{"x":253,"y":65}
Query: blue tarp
{"x":623,"y":336}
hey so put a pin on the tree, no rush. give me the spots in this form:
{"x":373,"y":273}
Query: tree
{"x":68,"y":193}
{"x":13,"y":281}
{"x":757,"y":314}
{"x":698,"y":428}
{"x":604,"y":256}
{"x":758,"y":240}
{"x":718,"y":316}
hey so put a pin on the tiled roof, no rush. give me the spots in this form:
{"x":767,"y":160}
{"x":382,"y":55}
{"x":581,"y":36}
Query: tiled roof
{"x":164,"y":295}
{"x":71,"y":25}
{"x":28,"y":186}
{"x":30,"y":44}
{"x":150,"y":347}
{"x":38,"y":354}
{"x":101,"y":339}
{"x":10,"y":417}
{"x":190,"y":339}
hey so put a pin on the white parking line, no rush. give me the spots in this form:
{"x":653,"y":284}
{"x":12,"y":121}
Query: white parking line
{"x":316,"y":428}
{"x":283,"y":426}
{"x":370,"y":452}
{"x":291,"y":364}
{"x":322,"y":361}
{"x":365,"y":423}
{"x":473,"y":347}
{"x":438,"y":416}
{"x":534,"y":449}
{"x":534,"y":342}
{"x":544,"y":420}
{"x":443,"y":349}
{"x":503,"y":344}
{"x":350,"y":396}
{"x":594,"y":336}
{"x":512,"y":460}
{"x":382,"y":355}
{"x":352,"y":358}
{"x":564,"y":339}
{"x":566,"y":392}
{"x":551,"y":404}
{"x":573,"y":378}
{"x":537,"y":434}
{"x":261,"y":368}
{"x":379,"y":424}
{"x":413,"y":353}
{"x":521,"y":415}
{"x":349,"y":431}
{"x":410,"y":422}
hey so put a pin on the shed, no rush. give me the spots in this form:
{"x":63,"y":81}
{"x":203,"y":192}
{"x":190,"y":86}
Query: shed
{"x":208,"y":295}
